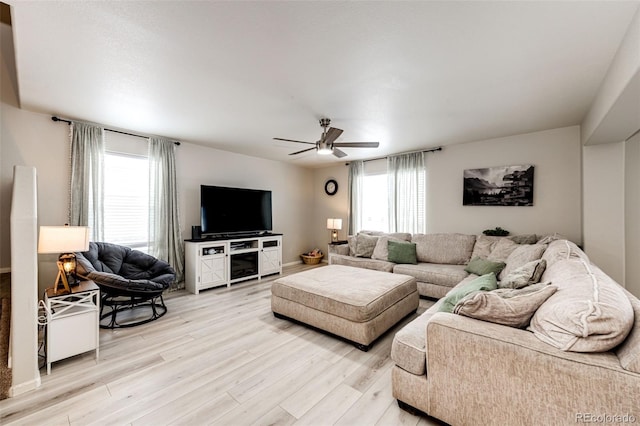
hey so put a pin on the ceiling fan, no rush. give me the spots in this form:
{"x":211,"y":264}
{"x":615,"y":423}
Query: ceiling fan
{"x":327,"y":145}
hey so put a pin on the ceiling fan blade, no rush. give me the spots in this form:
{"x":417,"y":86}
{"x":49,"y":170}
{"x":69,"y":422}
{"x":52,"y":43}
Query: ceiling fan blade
{"x":339,"y":153}
{"x":332,"y":135}
{"x":357,"y":144}
{"x":293,"y":140}
{"x":304,"y":150}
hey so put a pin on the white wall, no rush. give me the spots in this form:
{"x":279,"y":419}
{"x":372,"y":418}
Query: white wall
{"x":33,"y":139}
{"x":613,"y":115}
{"x":611,"y":177}
{"x":604,"y":233}
{"x":632,"y":213}
{"x":556,"y":155}
{"x":326,"y":206}
{"x":291,"y":186}
{"x":557,"y":189}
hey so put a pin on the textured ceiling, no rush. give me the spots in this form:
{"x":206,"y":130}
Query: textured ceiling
{"x":233,"y":75}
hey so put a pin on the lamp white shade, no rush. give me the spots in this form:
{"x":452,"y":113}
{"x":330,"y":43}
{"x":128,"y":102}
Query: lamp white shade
{"x":63,"y":239}
{"x":334,"y":223}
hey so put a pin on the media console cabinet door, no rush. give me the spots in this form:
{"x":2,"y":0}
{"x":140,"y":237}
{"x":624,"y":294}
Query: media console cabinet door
{"x":213,"y":271}
{"x":270,"y":261}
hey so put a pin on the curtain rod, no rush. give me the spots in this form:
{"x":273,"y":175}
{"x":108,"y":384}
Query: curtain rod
{"x":402,"y":153}
{"x":54,"y":118}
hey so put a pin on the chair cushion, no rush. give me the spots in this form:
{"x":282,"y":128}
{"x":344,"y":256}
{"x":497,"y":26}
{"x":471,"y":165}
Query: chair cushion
{"x":103,"y":262}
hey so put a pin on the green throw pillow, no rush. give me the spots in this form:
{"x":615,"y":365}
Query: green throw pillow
{"x":486,"y":282}
{"x":480,"y":266}
{"x":401,"y":252}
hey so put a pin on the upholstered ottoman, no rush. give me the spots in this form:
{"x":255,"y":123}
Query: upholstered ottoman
{"x":354,"y":303}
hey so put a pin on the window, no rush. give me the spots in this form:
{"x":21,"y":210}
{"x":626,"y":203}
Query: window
{"x":406,"y":192}
{"x":375,"y":213}
{"x":126,"y":200}
{"x":125,"y":203}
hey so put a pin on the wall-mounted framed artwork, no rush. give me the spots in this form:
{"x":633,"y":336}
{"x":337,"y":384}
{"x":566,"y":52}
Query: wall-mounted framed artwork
{"x":499,"y":186}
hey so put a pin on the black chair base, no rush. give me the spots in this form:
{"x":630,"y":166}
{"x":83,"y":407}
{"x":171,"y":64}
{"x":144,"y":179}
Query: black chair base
{"x":120,"y":303}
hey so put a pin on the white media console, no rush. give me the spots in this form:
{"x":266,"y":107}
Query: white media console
{"x":215,"y":262}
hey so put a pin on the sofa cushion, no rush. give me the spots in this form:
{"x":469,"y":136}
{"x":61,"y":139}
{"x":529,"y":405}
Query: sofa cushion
{"x":629,"y":351}
{"x":361,"y":262}
{"x":484,"y":245}
{"x":511,"y":307}
{"x":381,"y":251}
{"x":483,"y":283}
{"x":523,"y":254}
{"x":589,"y":313}
{"x":502,"y":249}
{"x":527,"y":274}
{"x":443,"y":275}
{"x":549,"y":238}
{"x":402,"y":252}
{"x":450,"y":249}
{"x":563,"y":250}
{"x":524,"y":238}
{"x":480,"y":266}
{"x":405,"y":236}
{"x":408,"y":347}
{"x":365,"y":245}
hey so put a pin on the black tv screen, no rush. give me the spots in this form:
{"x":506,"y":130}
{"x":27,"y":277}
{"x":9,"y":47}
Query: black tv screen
{"x":225,"y":210}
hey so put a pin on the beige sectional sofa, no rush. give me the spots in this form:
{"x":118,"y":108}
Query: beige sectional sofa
{"x":442,"y":258}
{"x":578,"y":361}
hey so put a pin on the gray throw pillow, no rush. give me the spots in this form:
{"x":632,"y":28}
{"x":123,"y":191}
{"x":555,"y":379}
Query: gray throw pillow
{"x":365,"y":245}
{"x":480,"y":266}
{"x":381,"y":251}
{"x":527,"y":274}
{"x":402,"y":252}
{"x":509,"y":307}
{"x":522,"y":254}
{"x":502,"y":249}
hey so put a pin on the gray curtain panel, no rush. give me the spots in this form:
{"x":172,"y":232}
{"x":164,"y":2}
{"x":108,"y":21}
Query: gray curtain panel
{"x":356,"y":175}
{"x":165,"y":237}
{"x":87,"y":178}
{"x":406,"y":180}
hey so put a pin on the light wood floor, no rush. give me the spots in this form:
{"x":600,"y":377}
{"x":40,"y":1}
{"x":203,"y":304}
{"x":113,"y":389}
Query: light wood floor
{"x":218,"y":358}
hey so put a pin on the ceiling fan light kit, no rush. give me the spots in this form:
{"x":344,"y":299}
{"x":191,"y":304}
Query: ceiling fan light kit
{"x":327,"y":145}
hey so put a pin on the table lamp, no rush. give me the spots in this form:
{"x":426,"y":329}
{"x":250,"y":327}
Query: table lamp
{"x":65,"y":240}
{"x":334,"y":225}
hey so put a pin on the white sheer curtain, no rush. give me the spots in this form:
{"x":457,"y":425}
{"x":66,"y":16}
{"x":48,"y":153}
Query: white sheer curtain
{"x":406,"y":189}
{"x":356,"y":175}
{"x":87,"y":178}
{"x":165,"y":237}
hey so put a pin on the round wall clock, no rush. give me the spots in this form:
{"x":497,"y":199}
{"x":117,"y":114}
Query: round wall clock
{"x":331,"y":187}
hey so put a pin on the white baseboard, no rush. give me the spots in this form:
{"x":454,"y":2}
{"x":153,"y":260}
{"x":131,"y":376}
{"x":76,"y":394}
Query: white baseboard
{"x":296,"y":262}
{"x":25,"y":387}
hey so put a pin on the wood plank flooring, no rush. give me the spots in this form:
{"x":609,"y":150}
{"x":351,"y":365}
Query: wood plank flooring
{"x":218,"y":358}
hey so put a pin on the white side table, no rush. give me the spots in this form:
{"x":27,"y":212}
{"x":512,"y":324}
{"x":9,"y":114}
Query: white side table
{"x":73,"y":322}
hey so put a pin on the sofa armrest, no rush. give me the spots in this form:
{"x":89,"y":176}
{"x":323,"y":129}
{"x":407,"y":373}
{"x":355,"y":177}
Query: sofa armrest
{"x":342,"y":249}
{"x":493,"y":374}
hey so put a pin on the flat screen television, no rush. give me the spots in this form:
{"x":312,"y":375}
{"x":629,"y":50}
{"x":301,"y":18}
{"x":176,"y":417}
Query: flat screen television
{"x":225,"y":210}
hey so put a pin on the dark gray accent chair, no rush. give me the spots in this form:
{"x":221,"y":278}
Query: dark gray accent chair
{"x":128,"y":280}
